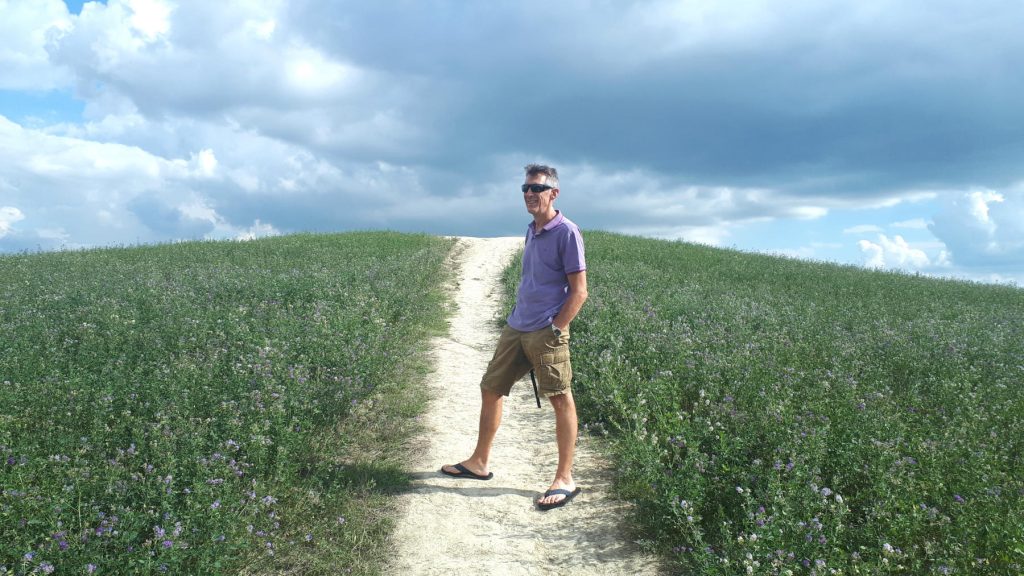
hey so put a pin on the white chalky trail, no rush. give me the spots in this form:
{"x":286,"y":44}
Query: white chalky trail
{"x":450,"y":525}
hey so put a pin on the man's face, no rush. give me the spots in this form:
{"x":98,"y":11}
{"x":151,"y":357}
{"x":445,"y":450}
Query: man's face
{"x":539,"y":203}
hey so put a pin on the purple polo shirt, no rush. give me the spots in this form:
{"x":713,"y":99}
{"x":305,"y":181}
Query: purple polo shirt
{"x":549,"y":256}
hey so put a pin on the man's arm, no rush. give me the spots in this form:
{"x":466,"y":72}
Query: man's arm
{"x":577,"y":296}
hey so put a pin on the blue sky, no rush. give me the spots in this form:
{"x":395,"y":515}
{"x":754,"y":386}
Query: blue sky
{"x":871,"y":133}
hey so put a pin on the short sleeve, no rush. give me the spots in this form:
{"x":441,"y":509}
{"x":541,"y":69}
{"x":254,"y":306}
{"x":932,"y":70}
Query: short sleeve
{"x":573,"y":255}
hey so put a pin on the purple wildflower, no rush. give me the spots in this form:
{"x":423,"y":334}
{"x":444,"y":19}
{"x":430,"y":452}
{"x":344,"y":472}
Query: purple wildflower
{"x":958,"y":498}
{"x":90,"y":568}
{"x":168,"y":543}
{"x":46,"y":567}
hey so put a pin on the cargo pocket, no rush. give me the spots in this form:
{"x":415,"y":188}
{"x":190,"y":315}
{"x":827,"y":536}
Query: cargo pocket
{"x":555,"y":371}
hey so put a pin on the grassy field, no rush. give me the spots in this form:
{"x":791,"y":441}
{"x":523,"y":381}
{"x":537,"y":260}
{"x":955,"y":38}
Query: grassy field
{"x":241,"y":407}
{"x":213,"y":407}
{"x":773,"y":416}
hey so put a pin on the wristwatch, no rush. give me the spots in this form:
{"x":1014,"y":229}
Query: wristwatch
{"x":555,"y":329}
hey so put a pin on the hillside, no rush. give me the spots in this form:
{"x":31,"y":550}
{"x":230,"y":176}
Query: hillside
{"x":211,"y":407}
{"x":781,"y":415}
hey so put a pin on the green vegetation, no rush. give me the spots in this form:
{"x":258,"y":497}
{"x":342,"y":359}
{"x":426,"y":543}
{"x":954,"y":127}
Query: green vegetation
{"x":773,"y":416}
{"x":211,"y":407}
{"x":242,"y":407}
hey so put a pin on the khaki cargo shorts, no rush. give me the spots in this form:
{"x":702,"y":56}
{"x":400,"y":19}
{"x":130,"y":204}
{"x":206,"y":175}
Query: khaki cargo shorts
{"x":517,"y":352}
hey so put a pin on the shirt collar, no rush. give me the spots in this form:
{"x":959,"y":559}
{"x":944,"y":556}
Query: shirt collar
{"x":550,"y":225}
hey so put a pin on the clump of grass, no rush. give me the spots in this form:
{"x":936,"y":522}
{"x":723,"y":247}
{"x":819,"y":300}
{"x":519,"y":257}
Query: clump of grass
{"x":773,"y":416}
{"x":210,"y":407}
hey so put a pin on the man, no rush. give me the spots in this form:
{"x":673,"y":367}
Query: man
{"x":551,"y":292}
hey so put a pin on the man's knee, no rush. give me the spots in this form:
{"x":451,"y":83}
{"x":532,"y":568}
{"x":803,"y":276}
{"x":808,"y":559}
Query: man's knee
{"x":490,"y":396}
{"x":562,"y":401}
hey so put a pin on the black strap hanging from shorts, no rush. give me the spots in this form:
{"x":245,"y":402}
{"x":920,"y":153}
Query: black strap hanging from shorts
{"x":536,"y":394}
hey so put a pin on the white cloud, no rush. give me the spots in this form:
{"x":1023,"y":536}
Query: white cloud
{"x":984,"y":227}
{"x":874,"y":255}
{"x":8,"y":216}
{"x":205,"y":163}
{"x":150,"y":18}
{"x":311,"y":72}
{"x":72,"y":184}
{"x":197,"y":209}
{"x":26,"y":28}
{"x":863,"y":229}
{"x":912,"y":224}
{"x":257,"y":230}
{"x":894,"y":253}
{"x":220,"y":58}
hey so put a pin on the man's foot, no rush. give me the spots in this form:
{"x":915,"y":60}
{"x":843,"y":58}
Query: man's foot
{"x":460,"y":470}
{"x":557,"y":497}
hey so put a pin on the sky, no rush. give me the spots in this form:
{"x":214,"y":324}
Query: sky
{"x":874,"y":133}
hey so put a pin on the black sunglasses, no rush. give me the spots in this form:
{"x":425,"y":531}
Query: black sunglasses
{"x":536,"y":188}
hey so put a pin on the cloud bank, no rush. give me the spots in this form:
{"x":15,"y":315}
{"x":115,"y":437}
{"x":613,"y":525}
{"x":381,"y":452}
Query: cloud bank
{"x":679,"y":120}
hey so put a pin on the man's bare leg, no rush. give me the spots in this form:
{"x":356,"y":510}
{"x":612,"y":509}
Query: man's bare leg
{"x":490,"y":420}
{"x":565,"y":435}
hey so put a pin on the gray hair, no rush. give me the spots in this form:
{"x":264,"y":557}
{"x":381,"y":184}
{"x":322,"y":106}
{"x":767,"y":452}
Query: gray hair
{"x":550,"y":174}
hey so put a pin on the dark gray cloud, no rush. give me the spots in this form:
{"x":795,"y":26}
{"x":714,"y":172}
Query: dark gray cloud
{"x":870,"y":97}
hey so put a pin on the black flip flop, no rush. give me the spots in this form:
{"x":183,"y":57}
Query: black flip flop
{"x":466,"y":473}
{"x":568,"y":497}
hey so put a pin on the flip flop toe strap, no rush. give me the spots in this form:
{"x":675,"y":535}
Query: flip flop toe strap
{"x":557,"y":491}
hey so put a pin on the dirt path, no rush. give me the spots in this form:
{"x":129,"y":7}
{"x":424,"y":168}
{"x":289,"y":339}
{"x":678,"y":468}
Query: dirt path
{"x":472,"y":527}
